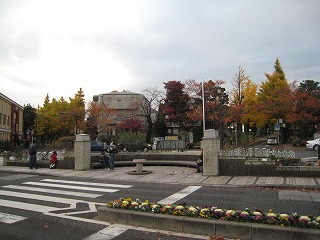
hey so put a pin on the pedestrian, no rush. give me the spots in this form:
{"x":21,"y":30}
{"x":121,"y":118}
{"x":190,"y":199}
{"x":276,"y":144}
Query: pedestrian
{"x":199,"y":162}
{"x":112,"y":149}
{"x":53,"y":162}
{"x":33,"y":155}
{"x":104,"y":159}
{"x":105,"y":146}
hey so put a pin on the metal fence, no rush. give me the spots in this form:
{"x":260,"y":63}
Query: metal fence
{"x":171,"y":145}
{"x":257,"y":153}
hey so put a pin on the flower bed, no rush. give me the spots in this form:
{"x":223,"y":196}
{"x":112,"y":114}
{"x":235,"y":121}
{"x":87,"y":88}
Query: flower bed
{"x":257,"y":216}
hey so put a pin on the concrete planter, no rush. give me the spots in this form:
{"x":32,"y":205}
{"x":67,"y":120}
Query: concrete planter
{"x":208,"y":227}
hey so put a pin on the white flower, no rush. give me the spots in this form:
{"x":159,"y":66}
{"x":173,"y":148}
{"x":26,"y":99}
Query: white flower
{"x":283,"y":215}
{"x":134,"y":204}
{"x":318,"y":219}
{"x":179,"y":207}
{"x":192,"y":209}
{"x":304,"y":218}
{"x":218,"y":210}
{"x":155,"y":206}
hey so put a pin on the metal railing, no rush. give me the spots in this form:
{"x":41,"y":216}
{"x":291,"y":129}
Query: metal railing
{"x":257,"y":153}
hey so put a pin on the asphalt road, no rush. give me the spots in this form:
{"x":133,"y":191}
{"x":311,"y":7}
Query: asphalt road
{"x":41,"y":207}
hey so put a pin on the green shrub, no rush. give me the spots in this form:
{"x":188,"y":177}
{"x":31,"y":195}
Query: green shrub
{"x":132,"y":141}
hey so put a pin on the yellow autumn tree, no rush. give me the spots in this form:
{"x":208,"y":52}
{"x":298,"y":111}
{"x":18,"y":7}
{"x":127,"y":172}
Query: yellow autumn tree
{"x":274,"y":98}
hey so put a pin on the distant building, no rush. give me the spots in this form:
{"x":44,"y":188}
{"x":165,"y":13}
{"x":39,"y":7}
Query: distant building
{"x":124,"y":105}
{"x":11,"y":121}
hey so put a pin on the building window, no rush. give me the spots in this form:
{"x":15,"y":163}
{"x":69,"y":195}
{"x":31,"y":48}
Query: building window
{"x":4,"y":120}
{"x":8,"y":121}
{"x":0,"y":118}
{"x":109,"y":99}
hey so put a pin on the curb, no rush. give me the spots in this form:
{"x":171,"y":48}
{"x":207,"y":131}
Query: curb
{"x":208,"y":227}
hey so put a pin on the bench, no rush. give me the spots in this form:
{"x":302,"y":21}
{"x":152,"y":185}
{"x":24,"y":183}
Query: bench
{"x":149,"y":163}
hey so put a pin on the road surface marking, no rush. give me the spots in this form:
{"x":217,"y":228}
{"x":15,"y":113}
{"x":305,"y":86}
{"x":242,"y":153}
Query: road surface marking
{"x":72,"y":187}
{"x":47,"y":190}
{"x":87,"y":183}
{"x":9,"y":218}
{"x":27,"y":206}
{"x":108,"y":233}
{"x":179,"y":195}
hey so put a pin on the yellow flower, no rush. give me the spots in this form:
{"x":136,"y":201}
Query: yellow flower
{"x":318,"y":219}
{"x":283,"y":215}
{"x":134,"y":204}
{"x":231,"y":212}
{"x":257,"y":213}
{"x":204,"y":210}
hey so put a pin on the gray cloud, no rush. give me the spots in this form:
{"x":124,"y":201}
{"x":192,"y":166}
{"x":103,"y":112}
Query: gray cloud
{"x":168,"y":40}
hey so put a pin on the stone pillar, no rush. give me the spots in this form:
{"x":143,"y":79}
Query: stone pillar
{"x":211,"y":149}
{"x":82,"y":152}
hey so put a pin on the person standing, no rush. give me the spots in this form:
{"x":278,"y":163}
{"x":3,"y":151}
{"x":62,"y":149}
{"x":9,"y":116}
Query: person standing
{"x":112,"y":148}
{"x":33,"y":155}
{"x":54,"y":159}
{"x":199,"y":162}
{"x":104,"y":159}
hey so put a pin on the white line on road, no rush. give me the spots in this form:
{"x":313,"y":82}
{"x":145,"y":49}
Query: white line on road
{"x":9,"y":218}
{"x":179,"y":195}
{"x":39,"y":197}
{"x":87,"y":183}
{"x":108,"y":233}
{"x":72,"y":187}
{"x":47,"y":190}
{"x":26,"y":206}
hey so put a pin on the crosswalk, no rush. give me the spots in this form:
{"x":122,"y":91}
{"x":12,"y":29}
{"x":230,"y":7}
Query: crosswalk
{"x":54,"y":197}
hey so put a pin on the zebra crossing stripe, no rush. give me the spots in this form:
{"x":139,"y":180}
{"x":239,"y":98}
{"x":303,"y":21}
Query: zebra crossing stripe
{"x":10,"y":218}
{"x":39,"y":197}
{"x":47,"y":190}
{"x":88,"y":183}
{"x":27,"y":206}
{"x":106,"y":190}
{"x":179,"y":195}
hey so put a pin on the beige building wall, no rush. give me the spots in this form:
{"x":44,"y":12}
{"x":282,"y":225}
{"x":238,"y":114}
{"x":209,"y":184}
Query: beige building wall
{"x":124,"y":105}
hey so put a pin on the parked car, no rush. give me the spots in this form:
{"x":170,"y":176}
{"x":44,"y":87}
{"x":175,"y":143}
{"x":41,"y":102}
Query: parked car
{"x":272,"y":140}
{"x":132,"y":147}
{"x":313,"y":144}
{"x":96,"y":145}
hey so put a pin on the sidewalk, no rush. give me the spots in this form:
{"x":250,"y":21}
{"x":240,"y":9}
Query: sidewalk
{"x":172,"y":175}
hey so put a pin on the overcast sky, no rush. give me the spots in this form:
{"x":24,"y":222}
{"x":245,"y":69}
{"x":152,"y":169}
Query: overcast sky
{"x":60,"y":46}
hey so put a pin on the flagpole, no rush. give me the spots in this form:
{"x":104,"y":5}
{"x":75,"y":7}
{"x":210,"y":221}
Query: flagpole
{"x":203,"y":110}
